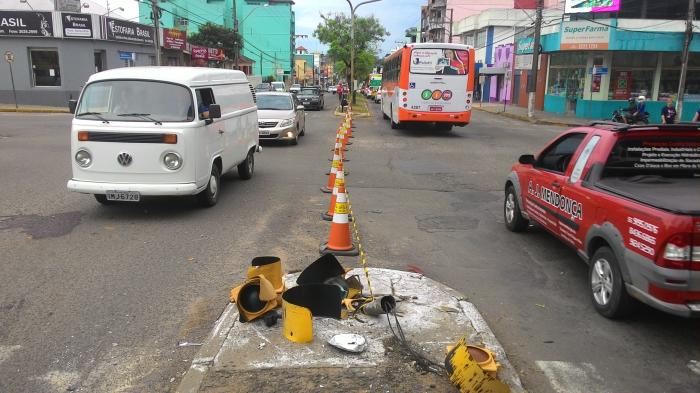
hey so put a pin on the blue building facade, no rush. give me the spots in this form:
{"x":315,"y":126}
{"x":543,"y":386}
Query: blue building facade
{"x":596,"y":65}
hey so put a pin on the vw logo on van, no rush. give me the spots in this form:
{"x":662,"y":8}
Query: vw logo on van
{"x":124,"y":159}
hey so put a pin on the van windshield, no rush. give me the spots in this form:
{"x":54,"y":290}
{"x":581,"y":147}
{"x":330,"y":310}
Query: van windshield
{"x":134,"y":100}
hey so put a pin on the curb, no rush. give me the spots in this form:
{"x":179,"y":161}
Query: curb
{"x":527,"y":119}
{"x":31,"y":110}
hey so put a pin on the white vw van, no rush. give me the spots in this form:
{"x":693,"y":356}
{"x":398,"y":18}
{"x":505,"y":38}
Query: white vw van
{"x":145,"y":131}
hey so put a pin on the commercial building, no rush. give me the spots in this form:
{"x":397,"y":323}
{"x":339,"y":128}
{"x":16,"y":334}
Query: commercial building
{"x":52,"y":54}
{"x":597,"y":60}
{"x":267,"y":29}
{"x":439,"y":16}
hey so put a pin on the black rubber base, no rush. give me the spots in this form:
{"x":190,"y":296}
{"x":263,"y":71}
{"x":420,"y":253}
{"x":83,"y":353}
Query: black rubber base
{"x":353,"y":252}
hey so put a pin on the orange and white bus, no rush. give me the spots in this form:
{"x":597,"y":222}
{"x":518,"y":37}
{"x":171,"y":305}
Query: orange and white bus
{"x":428,"y":82}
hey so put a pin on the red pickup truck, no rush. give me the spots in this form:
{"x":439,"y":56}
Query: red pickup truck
{"x":627,"y":198}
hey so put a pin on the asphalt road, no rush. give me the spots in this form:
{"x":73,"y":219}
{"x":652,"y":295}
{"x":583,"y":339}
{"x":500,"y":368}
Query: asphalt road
{"x":95,"y":298}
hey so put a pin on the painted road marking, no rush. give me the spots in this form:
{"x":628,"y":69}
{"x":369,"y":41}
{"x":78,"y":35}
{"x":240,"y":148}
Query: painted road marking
{"x":6,"y":351}
{"x":566,"y":377}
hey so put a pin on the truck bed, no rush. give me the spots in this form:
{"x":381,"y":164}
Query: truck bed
{"x":676,"y":195}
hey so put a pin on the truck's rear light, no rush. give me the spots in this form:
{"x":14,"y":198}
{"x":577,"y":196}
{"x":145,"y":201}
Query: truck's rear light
{"x":83,"y":136}
{"x":170,"y":139}
{"x":682,"y":251}
{"x":673,"y":296}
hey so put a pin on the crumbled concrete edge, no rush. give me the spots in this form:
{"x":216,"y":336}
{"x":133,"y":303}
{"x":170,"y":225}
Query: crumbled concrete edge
{"x":527,"y":119}
{"x":204,"y":359}
{"x":507,"y":373}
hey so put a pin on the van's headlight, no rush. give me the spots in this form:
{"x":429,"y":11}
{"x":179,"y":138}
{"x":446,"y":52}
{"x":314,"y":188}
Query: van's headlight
{"x":172,"y":161}
{"x":83,"y":158}
{"x":286,"y":122}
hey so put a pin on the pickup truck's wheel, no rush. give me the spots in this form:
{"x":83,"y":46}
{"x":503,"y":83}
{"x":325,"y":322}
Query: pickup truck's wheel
{"x":610,"y":298}
{"x":210,"y":195}
{"x":515,"y":222}
{"x":247,"y":167}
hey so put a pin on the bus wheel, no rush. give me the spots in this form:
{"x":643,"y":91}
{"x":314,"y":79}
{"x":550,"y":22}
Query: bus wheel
{"x":394,"y":125}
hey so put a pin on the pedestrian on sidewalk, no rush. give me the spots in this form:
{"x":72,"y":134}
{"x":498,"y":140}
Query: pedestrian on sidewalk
{"x":668,"y":113}
{"x":339,"y":90}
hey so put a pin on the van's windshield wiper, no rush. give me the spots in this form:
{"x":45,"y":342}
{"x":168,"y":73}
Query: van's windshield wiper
{"x":141,"y":115}
{"x":96,"y":114}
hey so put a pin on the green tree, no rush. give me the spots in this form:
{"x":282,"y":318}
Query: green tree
{"x":216,"y":36}
{"x":335,"y":32}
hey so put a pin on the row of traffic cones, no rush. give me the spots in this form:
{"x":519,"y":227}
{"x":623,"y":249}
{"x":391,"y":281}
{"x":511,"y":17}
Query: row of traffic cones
{"x":339,"y":239}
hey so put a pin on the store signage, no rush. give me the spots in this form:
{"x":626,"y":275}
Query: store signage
{"x":200,"y":52}
{"x":216,"y":54}
{"x":525,"y":46}
{"x":622,"y":88}
{"x":524,"y":62}
{"x":77,"y":25}
{"x":26,"y":24}
{"x":174,"y":39}
{"x":127,"y":55}
{"x":585,"y":35}
{"x":579,"y":6}
{"x":599,"y":71}
{"x":121,"y":30}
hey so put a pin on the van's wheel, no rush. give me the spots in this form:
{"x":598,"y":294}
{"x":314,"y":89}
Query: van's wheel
{"x":247,"y":167}
{"x":102,"y":198}
{"x":515,"y":222}
{"x":608,"y":293}
{"x":210,"y":195}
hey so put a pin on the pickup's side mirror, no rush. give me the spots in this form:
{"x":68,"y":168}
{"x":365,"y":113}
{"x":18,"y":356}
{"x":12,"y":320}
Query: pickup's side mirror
{"x":214,"y":111}
{"x":300,"y":107}
{"x":527,"y":159}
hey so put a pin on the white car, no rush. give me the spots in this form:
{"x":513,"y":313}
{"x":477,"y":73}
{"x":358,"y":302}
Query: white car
{"x":142,"y":131}
{"x":295,"y":88}
{"x":277,"y":86}
{"x":281,"y":117}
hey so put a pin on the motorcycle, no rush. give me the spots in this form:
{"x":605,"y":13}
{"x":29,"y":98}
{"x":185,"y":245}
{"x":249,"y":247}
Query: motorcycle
{"x":619,"y":116}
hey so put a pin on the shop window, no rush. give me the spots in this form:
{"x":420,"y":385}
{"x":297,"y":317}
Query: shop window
{"x":568,"y":59}
{"x":45,"y":68}
{"x":627,"y":83}
{"x":634,"y":59}
{"x":567,"y":82}
{"x":481,"y":38}
{"x":670,"y":79}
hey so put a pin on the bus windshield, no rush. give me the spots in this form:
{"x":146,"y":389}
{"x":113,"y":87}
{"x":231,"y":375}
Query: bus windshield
{"x":136,"y":100}
{"x":435,"y":61}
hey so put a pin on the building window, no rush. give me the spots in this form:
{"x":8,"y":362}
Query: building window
{"x":671,"y":76}
{"x":632,"y":75}
{"x":45,"y":68}
{"x":468,"y":39}
{"x":481,"y":38}
{"x":567,"y":74}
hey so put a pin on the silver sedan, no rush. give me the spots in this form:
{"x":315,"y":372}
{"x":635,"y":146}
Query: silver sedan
{"x":280,"y":117}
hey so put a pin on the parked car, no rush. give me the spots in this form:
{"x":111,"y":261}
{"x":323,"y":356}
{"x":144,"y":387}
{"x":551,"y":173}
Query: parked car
{"x":280,"y":117}
{"x":263,"y":87}
{"x":295,"y":88}
{"x":311,"y":97}
{"x":142,"y":131}
{"x":626,"y":199}
{"x":277,"y":86}
{"x":331,"y":89}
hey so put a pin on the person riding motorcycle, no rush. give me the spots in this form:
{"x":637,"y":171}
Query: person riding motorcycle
{"x":629,"y":111}
{"x":635,"y":111}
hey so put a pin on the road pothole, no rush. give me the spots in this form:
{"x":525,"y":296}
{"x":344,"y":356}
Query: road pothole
{"x":41,"y":227}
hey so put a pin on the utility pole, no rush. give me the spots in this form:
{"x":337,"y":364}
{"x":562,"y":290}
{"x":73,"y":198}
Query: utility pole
{"x":261,"y":72}
{"x":352,"y":44}
{"x":156,"y":24}
{"x":235,"y":43}
{"x":532,"y":80}
{"x":686,"y":53}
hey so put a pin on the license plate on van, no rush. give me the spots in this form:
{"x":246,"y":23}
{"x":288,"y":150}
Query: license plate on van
{"x":126,"y":196}
{"x":261,"y":132}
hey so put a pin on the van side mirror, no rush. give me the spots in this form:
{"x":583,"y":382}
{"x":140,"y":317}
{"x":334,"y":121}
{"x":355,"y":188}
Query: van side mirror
{"x":72,"y":104}
{"x":214,"y":111}
{"x":527,"y":159}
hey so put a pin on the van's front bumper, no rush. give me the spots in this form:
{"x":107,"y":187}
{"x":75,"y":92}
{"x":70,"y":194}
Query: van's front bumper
{"x":89,"y":187}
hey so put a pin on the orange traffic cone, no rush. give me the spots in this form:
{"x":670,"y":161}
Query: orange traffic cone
{"x":339,"y":240}
{"x":339,"y":183}
{"x":348,"y":127}
{"x":331,"y":174}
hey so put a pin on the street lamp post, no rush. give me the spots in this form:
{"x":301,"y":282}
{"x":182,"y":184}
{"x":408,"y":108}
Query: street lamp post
{"x":352,"y":43}
{"x":236,"y":26}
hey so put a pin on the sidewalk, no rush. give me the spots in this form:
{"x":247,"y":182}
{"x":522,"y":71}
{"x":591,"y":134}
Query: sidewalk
{"x":541,"y":117}
{"x":244,"y":357}
{"x":33,"y":109}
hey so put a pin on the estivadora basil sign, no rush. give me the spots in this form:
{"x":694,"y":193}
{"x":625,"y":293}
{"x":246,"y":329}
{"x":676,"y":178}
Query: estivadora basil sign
{"x":121,"y":30}
{"x":26,"y":24}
